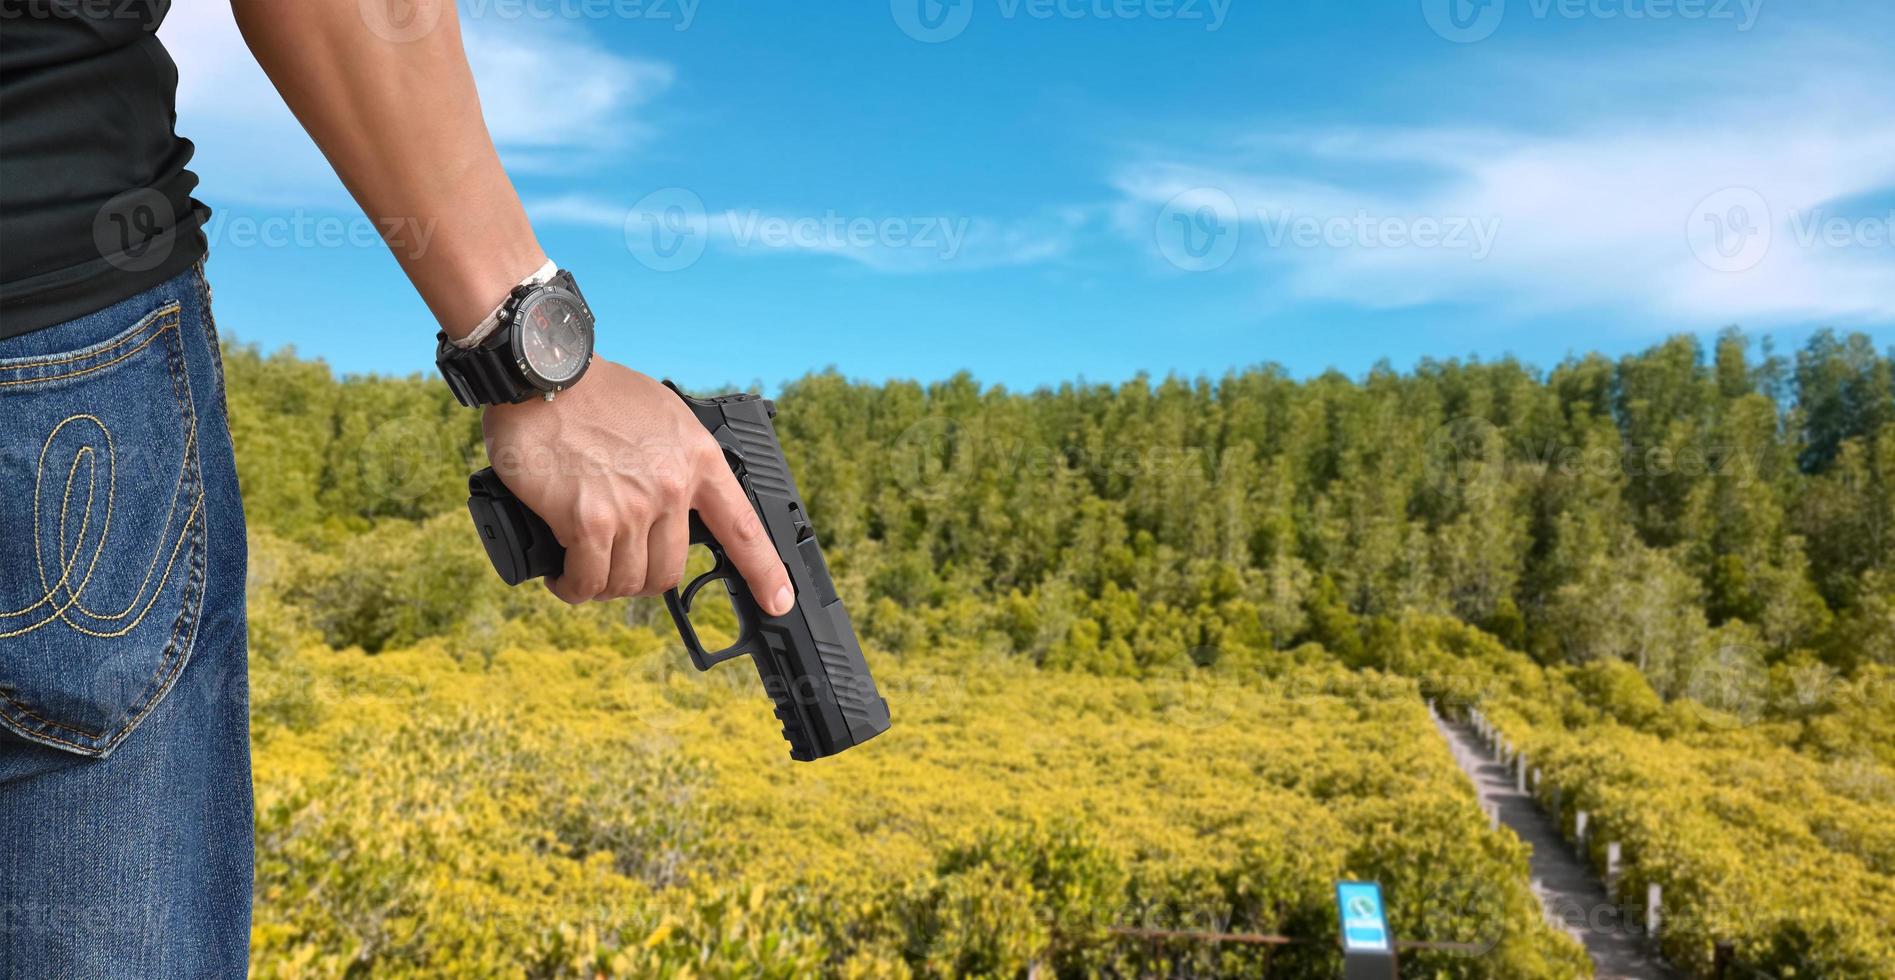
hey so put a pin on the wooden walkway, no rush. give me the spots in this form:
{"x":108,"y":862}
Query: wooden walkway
{"x":1574,"y":900}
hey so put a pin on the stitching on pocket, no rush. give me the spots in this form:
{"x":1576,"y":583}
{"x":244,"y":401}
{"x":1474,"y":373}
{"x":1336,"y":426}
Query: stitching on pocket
{"x":150,"y":319}
{"x":169,"y":322}
{"x":78,"y":591}
{"x":168,"y":666}
{"x":192,"y":530}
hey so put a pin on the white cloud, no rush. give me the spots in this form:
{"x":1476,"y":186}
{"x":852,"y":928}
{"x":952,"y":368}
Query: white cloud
{"x":577,"y":209}
{"x":898,"y":244}
{"x":554,"y":100}
{"x":1602,"y":204}
{"x":542,"y":90}
{"x":894,"y":243}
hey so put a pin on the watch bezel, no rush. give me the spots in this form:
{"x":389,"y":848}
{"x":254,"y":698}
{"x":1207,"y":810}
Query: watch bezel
{"x":516,"y":317}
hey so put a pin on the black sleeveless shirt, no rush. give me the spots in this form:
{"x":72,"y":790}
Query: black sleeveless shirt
{"x":95,"y":200}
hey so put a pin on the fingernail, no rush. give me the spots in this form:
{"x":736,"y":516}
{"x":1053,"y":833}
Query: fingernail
{"x":785,"y":599}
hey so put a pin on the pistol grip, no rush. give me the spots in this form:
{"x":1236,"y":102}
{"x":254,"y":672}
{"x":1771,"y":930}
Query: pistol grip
{"x":808,"y":660}
{"x":518,"y":542}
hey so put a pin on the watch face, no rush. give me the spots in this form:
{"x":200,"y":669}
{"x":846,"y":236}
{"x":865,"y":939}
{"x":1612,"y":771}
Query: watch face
{"x":555,"y":338}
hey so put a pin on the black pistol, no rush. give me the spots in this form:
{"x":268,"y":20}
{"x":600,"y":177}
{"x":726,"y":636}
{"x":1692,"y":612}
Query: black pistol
{"x":809,"y":660}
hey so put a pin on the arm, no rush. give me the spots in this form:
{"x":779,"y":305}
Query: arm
{"x":613,"y":465}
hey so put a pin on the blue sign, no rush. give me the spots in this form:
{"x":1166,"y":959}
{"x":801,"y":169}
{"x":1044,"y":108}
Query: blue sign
{"x":1364,"y":924}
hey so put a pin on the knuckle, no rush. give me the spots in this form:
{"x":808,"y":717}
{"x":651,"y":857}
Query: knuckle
{"x":595,"y":521}
{"x":749,"y":528}
{"x":705,"y":450}
{"x":585,"y":583}
{"x":670,"y":487}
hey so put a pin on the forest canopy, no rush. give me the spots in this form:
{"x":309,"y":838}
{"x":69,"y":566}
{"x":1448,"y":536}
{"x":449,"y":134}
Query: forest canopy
{"x":1685,"y":506}
{"x":1133,"y":637}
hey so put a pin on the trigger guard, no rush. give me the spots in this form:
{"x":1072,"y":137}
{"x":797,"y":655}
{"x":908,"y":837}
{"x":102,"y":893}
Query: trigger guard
{"x":701,"y":658}
{"x":680,"y":600}
{"x":712,"y":658}
{"x":691,"y":589}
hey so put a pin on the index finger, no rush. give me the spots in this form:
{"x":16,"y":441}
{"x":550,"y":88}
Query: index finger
{"x":726,"y":511}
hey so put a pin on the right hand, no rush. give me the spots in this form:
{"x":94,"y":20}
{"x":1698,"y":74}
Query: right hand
{"x":615,"y":465}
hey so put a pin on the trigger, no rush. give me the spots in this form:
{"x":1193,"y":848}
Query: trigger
{"x":691,"y":590}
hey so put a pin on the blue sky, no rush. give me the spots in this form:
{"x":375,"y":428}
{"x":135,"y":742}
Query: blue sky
{"x":1042,"y":190}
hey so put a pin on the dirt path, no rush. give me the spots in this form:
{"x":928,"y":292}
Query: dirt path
{"x":1573,"y":898}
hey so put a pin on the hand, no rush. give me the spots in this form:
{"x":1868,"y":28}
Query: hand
{"x":614,"y":466}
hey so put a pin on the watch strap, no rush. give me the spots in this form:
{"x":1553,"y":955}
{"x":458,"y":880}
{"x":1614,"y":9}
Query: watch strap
{"x":480,"y":369}
{"x":479,"y":376}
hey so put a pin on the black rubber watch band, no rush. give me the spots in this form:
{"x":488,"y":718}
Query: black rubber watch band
{"x":479,"y":375}
{"x":498,"y":370}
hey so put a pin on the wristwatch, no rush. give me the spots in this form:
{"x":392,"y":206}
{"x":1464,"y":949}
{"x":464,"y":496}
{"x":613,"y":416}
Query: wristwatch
{"x":540,"y":345}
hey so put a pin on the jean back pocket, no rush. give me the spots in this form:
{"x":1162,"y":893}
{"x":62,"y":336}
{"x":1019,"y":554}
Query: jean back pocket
{"x":102,"y":535}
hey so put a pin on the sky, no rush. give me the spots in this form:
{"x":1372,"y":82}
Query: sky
{"x":1038,"y":191}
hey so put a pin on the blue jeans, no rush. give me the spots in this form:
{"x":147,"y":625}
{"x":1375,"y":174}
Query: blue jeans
{"x":125,"y":807}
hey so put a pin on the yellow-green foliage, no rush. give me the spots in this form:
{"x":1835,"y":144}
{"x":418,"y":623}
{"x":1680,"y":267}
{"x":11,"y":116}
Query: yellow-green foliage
{"x":609,"y":811}
{"x":1789,"y":855}
{"x":1752,"y":843}
{"x":1156,"y":653}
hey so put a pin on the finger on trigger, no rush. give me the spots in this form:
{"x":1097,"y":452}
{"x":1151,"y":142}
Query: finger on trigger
{"x":730,"y":518}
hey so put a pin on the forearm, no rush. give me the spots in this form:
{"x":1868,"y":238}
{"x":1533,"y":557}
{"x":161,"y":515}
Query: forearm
{"x":400,"y":122}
